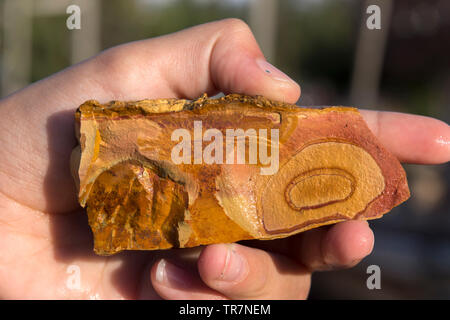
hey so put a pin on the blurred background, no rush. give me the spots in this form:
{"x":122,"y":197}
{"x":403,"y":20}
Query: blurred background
{"x":326,"y":47}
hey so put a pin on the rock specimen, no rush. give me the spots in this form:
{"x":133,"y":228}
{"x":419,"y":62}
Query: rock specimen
{"x":157,"y":174}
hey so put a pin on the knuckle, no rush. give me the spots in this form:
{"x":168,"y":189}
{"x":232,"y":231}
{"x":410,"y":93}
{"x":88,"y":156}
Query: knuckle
{"x":261,"y":286}
{"x":119,"y":59}
{"x":235,"y":25}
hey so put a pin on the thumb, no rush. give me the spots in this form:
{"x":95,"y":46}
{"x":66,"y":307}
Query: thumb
{"x":221,"y":56}
{"x":224,"y":56}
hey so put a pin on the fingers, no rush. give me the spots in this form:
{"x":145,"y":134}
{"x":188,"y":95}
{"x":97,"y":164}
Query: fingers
{"x":342,"y":245}
{"x":178,"y":282}
{"x":338,"y":246}
{"x":234,"y":271}
{"x":240,"y":272}
{"x":411,"y":138}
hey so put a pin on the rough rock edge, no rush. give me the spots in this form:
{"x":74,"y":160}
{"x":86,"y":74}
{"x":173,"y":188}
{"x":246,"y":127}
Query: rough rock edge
{"x":147,"y":106}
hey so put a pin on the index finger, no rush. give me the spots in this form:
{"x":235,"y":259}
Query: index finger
{"x":411,"y":138}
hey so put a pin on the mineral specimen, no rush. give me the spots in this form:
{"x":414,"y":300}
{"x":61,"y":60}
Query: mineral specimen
{"x":158,"y":174}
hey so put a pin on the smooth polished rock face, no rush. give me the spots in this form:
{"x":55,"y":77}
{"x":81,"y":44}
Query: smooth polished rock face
{"x":157,"y":174}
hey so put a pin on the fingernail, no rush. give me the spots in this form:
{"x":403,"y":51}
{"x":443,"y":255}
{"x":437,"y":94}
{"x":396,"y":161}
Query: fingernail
{"x":170,"y":275}
{"x":273,"y":72}
{"x":235,"y":267}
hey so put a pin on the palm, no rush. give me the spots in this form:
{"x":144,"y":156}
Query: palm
{"x":44,"y":231}
{"x":39,"y":249}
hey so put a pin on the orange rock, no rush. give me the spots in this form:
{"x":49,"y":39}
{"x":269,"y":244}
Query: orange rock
{"x":157,"y":174}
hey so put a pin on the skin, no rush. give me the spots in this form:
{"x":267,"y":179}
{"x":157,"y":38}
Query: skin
{"x":44,"y":232}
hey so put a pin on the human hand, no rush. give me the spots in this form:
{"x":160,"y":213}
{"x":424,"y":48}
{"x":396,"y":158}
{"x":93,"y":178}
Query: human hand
{"x":44,"y":231}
